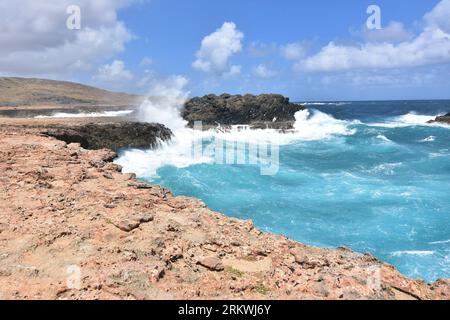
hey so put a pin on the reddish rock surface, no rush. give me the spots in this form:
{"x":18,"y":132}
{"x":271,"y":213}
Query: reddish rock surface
{"x":72,"y":226}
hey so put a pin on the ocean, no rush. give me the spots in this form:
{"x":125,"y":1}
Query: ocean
{"x":373,"y":176}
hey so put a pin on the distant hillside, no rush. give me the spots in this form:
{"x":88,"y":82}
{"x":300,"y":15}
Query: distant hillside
{"x":39,"y":92}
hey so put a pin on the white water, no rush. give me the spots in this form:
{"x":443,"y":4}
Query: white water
{"x":167,"y":99}
{"x":366,"y":176}
{"x":410,"y":119}
{"x":324,"y":103}
{"x":429,"y":139}
{"x":412,"y":252}
{"x":88,"y":114}
{"x":164,"y":107}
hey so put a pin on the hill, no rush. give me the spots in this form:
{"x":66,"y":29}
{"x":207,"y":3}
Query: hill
{"x":39,"y":92}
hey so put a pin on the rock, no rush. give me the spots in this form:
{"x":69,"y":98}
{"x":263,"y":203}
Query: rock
{"x":144,"y":217}
{"x":129,"y":176}
{"x":307,"y":260}
{"x":442,"y":119}
{"x":108,"y":175}
{"x":113,"y":136}
{"x":212,"y":263}
{"x":266,"y":110}
{"x":140,"y":185}
{"x":157,"y":273}
{"x":112,"y":166}
{"x":173,"y":226}
{"x":134,"y":221}
{"x":127,"y":225}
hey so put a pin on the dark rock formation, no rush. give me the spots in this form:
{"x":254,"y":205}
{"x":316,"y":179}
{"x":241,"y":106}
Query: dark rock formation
{"x":111,"y":135}
{"x":266,"y":110}
{"x":442,"y":119}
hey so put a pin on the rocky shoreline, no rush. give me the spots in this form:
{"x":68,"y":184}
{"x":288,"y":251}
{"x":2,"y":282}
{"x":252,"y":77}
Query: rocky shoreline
{"x":443,"y":119}
{"x":72,"y":226}
{"x":112,"y":135}
{"x":262,"y":111}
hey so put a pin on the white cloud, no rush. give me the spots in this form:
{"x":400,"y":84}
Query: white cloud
{"x":391,"y":78}
{"x":217,"y":49}
{"x":395,"y":32}
{"x":234,"y":71}
{"x":260,"y":49}
{"x":114,"y":72}
{"x":293,"y":51}
{"x":439,"y":17}
{"x":431,"y":46}
{"x":34,"y":38}
{"x":263,"y":71}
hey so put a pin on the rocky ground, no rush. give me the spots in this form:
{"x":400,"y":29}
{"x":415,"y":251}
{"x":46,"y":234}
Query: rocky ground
{"x":72,"y":226}
{"x":262,"y":111}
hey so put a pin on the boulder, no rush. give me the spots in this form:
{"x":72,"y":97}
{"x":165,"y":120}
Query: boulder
{"x":262,"y":111}
{"x":212,"y":263}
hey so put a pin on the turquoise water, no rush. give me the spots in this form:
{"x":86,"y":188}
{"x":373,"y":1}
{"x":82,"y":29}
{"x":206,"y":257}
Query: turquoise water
{"x":383,"y":187}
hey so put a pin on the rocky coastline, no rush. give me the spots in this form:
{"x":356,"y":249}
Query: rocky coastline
{"x":72,"y":226}
{"x":111,"y":135}
{"x":442,"y":119}
{"x":261,"y":111}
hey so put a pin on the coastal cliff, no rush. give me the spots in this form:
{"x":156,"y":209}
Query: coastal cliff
{"x":72,"y":226}
{"x":262,"y":111}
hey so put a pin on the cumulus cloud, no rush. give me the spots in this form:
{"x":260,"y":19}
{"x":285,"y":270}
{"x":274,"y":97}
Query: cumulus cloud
{"x":260,"y":49}
{"x":431,"y":46}
{"x":439,"y":17}
{"x":395,"y":32}
{"x":114,"y":72}
{"x":34,"y":38}
{"x":262,"y":71}
{"x":217,"y":49}
{"x":293,"y":51}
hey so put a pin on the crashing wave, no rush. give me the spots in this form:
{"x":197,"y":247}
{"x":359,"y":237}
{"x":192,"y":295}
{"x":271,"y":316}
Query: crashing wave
{"x":407,"y":120}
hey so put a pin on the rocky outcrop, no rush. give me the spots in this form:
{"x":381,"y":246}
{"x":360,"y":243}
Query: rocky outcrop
{"x":111,"y":135}
{"x":72,"y":226}
{"x":442,"y":119}
{"x":262,"y":111}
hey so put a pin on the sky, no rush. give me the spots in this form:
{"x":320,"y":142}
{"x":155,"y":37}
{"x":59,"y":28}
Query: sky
{"x":307,"y":50}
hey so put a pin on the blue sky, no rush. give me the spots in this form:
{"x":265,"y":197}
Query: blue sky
{"x":308,"y":50}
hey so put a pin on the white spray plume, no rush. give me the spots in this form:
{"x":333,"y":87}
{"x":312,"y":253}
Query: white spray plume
{"x":164,"y":102}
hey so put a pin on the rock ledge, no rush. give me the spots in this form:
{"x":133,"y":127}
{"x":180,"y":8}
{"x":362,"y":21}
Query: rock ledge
{"x":112,"y":135}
